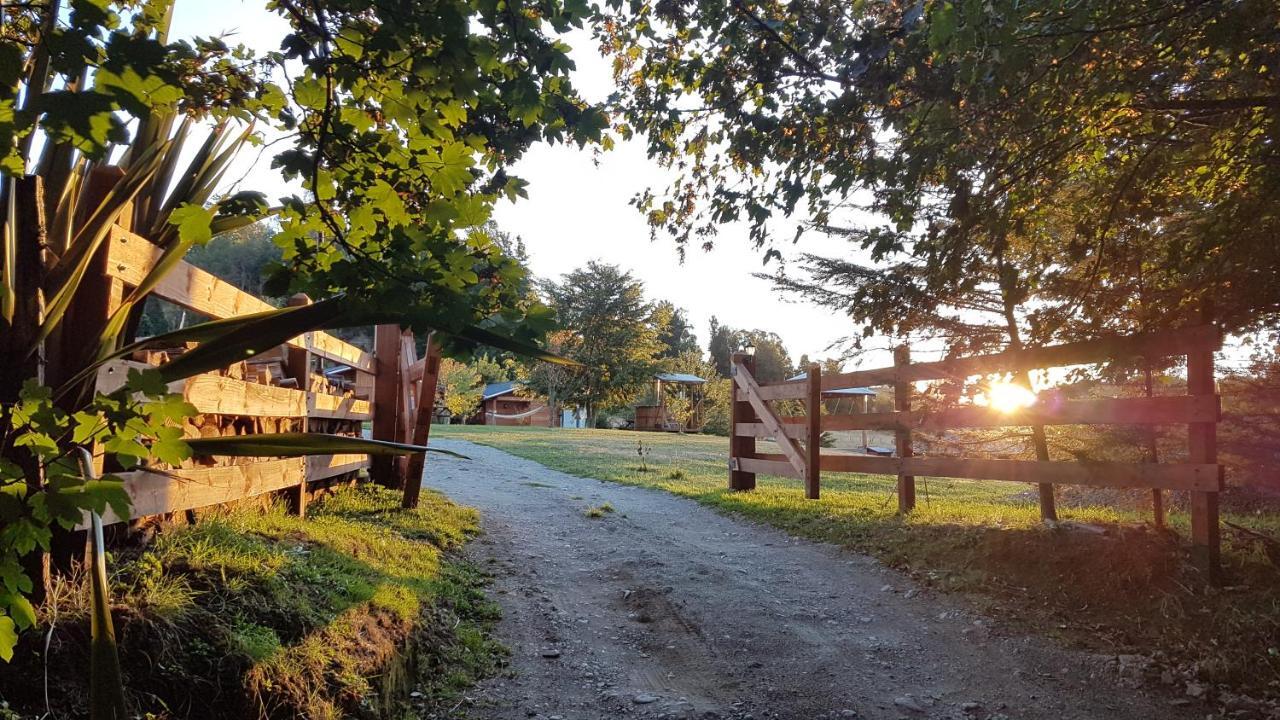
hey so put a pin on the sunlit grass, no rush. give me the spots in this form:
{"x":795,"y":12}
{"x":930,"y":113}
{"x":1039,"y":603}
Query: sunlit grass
{"x":298,"y":617}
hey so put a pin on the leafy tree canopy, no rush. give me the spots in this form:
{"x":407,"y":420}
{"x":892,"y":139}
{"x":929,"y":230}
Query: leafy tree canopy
{"x":612,"y":334}
{"x":1024,"y":152}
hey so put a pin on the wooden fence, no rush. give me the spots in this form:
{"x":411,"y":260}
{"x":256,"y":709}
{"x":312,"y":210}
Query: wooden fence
{"x":314,"y":383}
{"x":799,"y":437}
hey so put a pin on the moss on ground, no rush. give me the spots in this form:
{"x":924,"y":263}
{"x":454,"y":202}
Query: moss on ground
{"x":251,"y":613}
{"x":1104,"y":579}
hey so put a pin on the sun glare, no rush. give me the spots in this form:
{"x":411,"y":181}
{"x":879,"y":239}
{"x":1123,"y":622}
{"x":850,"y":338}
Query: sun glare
{"x":1008,"y":397}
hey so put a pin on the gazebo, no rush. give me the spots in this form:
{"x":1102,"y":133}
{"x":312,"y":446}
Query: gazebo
{"x":657,"y":418}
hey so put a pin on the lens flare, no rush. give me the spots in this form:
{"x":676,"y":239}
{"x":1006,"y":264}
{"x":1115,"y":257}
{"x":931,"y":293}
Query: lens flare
{"x":1008,"y":397}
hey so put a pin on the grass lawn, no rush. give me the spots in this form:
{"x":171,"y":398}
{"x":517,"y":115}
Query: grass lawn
{"x":254,"y":613}
{"x":1105,"y":579}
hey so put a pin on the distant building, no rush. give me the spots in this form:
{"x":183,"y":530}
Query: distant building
{"x":658,"y":417}
{"x":500,"y":405}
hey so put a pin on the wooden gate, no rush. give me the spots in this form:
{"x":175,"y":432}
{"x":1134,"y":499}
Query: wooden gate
{"x":1199,"y":410}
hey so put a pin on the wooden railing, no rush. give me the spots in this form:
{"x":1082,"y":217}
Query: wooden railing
{"x":276,"y":391}
{"x":799,"y":437}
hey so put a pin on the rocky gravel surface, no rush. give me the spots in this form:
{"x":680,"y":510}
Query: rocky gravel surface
{"x":665,"y":608}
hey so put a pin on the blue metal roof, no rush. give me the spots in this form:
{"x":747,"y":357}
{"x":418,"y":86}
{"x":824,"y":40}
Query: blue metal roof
{"x":835,"y":391}
{"x":683,"y":378}
{"x":493,"y":390}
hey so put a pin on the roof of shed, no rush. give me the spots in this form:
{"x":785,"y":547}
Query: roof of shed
{"x":681,"y":378}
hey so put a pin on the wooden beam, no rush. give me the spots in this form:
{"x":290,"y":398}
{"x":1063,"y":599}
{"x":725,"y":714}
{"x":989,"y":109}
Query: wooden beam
{"x":386,"y":393}
{"x":813,"y":437}
{"x":1172,"y":410}
{"x":338,"y":407}
{"x":1153,"y":345}
{"x":1202,"y":447}
{"x":741,"y":413}
{"x":742,"y":377}
{"x":794,"y":427}
{"x":1171,"y":476}
{"x":155,"y":493}
{"x":131,"y":257}
{"x":797,"y":390}
{"x":760,"y":466}
{"x":902,"y":436}
{"x":217,"y":395}
{"x":422,"y":423}
{"x":322,"y":467}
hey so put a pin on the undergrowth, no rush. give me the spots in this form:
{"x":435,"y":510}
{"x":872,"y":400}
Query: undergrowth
{"x":1104,"y":578}
{"x":259,"y":613}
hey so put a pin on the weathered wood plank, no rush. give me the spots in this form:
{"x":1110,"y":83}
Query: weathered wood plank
{"x":337,"y":407}
{"x":321,"y":467}
{"x":154,"y":493}
{"x":794,"y":427}
{"x":783,"y":391}
{"x":813,"y":436}
{"x":764,"y":467}
{"x":213,"y":394}
{"x":422,"y":422}
{"x":1154,"y":345}
{"x":131,"y":256}
{"x":1173,"y":410}
{"x":1170,"y":476}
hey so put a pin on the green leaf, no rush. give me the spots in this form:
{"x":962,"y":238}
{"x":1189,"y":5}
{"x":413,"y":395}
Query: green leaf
{"x":300,"y":444}
{"x":169,"y":447}
{"x":194,"y":223}
{"x":20,"y":609}
{"x":8,"y":638}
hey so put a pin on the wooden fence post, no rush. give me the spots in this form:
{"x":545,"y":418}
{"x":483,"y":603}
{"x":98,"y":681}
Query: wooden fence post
{"x":30,"y":236}
{"x":902,"y":436}
{"x":741,"y":412}
{"x":386,"y":400}
{"x":813,"y":432}
{"x":299,"y":365}
{"x":422,"y":423}
{"x":1202,"y":446}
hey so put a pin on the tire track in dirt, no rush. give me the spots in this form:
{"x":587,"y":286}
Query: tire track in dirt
{"x":666,"y":608}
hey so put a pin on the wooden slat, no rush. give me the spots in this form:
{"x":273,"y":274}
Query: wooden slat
{"x":217,"y":395}
{"x":1172,"y":476}
{"x":790,"y":426}
{"x":336,"y":407}
{"x":155,"y":493}
{"x":1100,"y":411}
{"x":742,"y":377}
{"x":320,"y":467}
{"x":813,"y":437}
{"x":332,"y":348}
{"x":132,"y":256}
{"x":1153,"y":345}
{"x":778,"y":391}
{"x":422,"y":422}
{"x":764,"y":467}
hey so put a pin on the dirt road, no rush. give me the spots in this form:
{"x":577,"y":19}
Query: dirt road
{"x":666,"y":608}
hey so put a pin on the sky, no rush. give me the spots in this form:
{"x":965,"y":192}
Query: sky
{"x":578,"y":210}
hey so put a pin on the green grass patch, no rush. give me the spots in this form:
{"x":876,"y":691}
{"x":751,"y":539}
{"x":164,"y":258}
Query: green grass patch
{"x":260,"y":613}
{"x":1104,"y":579}
{"x":600,"y":511}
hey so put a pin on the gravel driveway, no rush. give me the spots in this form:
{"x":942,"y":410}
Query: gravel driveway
{"x":666,"y":608}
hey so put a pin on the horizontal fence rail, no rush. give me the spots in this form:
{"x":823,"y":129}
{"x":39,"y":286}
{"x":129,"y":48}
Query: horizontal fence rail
{"x":276,"y":391}
{"x":798,"y":437}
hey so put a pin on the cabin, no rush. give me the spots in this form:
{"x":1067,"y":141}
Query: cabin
{"x":500,"y":405}
{"x":657,"y":417}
